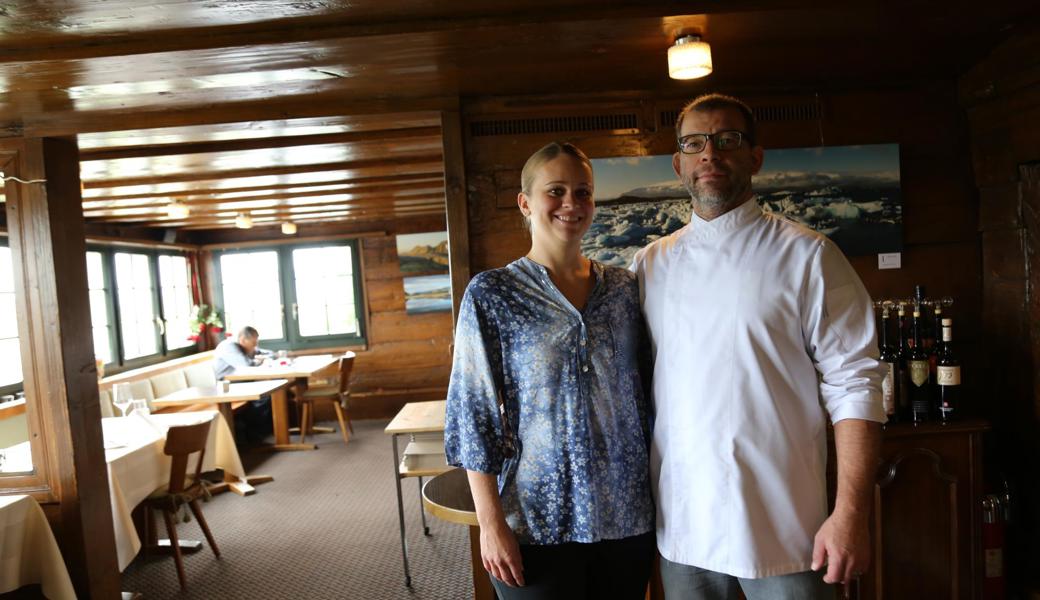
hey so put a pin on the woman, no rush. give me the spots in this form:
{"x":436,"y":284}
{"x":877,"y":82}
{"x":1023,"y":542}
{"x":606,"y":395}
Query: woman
{"x":547,"y":408}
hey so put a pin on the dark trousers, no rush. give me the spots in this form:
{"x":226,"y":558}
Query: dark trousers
{"x":253,"y":422}
{"x":615,"y":569}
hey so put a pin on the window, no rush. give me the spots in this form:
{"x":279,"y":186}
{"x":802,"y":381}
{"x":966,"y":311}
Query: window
{"x":98,"y":291}
{"x":175,"y":292}
{"x":250,"y":288}
{"x":140,"y":303}
{"x":135,"y":292}
{"x":295,"y":296}
{"x":10,"y":352}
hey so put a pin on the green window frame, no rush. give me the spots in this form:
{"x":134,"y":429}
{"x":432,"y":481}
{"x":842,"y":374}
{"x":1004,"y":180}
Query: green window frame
{"x":295,"y":308}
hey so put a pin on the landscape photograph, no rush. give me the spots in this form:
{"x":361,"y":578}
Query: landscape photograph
{"x":849,"y":193}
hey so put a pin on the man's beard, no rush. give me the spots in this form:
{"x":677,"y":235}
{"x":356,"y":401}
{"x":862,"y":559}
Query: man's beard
{"x":713,"y":200}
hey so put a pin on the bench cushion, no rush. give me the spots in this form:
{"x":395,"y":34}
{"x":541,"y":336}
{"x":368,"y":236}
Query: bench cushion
{"x":143,"y":389}
{"x":107,"y":410}
{"x":200,"y":375}
{"x":165,"y":384}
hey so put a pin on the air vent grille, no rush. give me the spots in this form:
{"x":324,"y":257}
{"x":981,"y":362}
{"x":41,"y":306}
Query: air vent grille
{"x":611,"y":122}
{"x":809,"y":111}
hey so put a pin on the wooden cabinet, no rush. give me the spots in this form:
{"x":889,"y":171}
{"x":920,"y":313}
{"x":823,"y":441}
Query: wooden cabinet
{"x":927,"y":517}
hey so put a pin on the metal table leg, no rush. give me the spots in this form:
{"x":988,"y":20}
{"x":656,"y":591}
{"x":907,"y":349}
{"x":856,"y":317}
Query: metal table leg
{"x":400,"y":512}
{"x":422,"y":510}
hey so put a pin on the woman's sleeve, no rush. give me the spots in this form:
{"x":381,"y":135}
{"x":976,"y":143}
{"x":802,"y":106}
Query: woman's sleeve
{"x":473,"y":433}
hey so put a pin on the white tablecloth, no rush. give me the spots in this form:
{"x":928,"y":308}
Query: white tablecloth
{"x":28,"y":552}
{"x":137,"y":466}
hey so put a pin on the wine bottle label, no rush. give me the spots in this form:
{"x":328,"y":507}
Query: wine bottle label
{"x":919,"y":372}
{"x":948,"y":375}
{"x":994,"y":562}
{"x":888,"y":389}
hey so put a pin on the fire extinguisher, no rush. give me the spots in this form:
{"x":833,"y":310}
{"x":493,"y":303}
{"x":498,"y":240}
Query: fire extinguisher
{"x":993,"y":585}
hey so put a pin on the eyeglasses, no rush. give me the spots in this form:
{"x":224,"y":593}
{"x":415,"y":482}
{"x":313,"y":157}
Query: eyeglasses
{"x":723,"y":140}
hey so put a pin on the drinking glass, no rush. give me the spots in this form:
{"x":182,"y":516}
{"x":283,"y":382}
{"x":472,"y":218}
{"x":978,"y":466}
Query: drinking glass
{"x":121,"y":397}
{"x":141,"y":406}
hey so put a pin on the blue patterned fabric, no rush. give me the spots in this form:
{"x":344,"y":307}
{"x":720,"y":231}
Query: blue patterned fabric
{"x":570,"y":441}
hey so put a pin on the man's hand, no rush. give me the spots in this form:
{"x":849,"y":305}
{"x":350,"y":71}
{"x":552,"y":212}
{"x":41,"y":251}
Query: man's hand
{"x":843,"y":544}
{"x":501,"y":554}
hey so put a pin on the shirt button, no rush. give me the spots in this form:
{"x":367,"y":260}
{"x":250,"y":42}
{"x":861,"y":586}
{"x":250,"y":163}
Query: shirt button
{"x":585,"y":369}
{"x":583,"y":342}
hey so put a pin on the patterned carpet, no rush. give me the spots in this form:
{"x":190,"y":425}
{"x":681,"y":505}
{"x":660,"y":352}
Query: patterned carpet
{"x":326,"y":527}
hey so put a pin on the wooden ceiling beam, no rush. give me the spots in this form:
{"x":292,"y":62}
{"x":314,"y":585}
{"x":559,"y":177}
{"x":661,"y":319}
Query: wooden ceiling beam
{"x":355,"y":193}
{"x":119,"y":214}
{"x":347,"y":137}
{"x":325,"y":26}
{"x":381,"y":166}
{"x":261,"y":220}
{"x":361,"y":183}
{"x":206,"y":112}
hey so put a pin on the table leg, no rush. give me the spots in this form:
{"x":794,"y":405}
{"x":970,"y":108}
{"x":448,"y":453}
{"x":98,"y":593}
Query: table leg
{"x":482,"y":588}
{"x":422,"y":511}
{"x":400,"y":512}
{"x":280,"y":423}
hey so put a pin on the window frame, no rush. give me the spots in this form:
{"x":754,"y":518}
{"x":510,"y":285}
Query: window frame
{"x":108,"y":262}
{"x":292,"y":340}
{"x":12,"y":388}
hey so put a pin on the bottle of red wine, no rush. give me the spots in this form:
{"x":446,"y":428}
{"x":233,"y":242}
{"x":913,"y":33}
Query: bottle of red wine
{"x":903,"y":367}
{"x":948,"y":374}
{"x":890,"y":363}
{"x":920,"y":382}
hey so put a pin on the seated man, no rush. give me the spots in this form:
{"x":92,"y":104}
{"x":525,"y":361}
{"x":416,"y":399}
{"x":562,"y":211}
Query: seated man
{"x":242,"y":351}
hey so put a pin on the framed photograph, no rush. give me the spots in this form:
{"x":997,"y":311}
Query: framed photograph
{"x":849,"y":193}
{"x":424,"y":263}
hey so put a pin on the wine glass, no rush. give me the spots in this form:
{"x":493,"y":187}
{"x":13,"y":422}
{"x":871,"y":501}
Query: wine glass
{"x":121,"y":397}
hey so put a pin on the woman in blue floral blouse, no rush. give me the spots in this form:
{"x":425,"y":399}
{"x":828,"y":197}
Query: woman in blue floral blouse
{"x":547,"y":405}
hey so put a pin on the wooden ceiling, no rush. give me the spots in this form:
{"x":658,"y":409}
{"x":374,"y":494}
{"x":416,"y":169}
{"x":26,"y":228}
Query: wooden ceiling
{"x":330,"y":110}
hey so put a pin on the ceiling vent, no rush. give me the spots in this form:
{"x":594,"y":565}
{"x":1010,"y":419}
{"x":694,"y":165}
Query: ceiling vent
{"x":808,"y":111}
{"x":617,"y":123}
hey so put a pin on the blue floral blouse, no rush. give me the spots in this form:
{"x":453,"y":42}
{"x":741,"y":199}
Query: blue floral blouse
{"x":551,"y":400}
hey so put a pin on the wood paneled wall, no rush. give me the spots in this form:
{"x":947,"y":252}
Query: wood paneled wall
{"x":407,"y":356}
{"x":941,"y":241}
{"x":1002,"y":98}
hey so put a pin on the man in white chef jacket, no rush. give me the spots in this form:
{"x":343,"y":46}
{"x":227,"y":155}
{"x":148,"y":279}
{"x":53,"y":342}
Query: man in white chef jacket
{"x":761,"y":332}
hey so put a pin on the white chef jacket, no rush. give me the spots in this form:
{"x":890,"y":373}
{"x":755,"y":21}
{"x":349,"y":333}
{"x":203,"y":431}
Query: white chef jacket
{"x":760,"y":329}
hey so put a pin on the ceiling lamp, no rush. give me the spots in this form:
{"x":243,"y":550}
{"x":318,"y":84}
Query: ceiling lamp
{"x":243,"y":221}
{"x":689,"y":58}
{"x":178,"y":210}
{"x":289,"y":228}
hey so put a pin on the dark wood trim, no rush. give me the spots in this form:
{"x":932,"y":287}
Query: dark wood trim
{"x":47,"y":229}
{"x":455,"y":207}
{"x":359,"y":183}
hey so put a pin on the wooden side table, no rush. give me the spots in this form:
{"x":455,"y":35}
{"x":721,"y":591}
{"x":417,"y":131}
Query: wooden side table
{"x":447,"y":496}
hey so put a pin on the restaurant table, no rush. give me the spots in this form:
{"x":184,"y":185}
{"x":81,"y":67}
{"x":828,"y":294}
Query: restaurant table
{"x":137,"y":465}
{"x":29,"y":554}
{"x":237,"y":392}
{"x":447,"y":496}
{"x":297,"y":372}
{"x":423,"y":422}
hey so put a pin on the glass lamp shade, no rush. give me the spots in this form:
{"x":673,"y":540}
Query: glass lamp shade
{"x":243,"y":221}
{"x":288,"y":228}
{"x":689,"y":58}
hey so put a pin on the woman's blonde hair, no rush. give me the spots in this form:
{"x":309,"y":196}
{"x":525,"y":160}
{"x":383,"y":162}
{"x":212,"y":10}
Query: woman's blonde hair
{"x":544,"y":155}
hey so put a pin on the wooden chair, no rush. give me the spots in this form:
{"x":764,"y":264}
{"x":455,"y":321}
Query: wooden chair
{"x":181,"y":442}
{"x":337,"y":390}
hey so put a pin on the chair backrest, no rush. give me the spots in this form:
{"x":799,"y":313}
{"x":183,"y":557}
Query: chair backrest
{"x":346,"y":365}
{"x":181,"y":442}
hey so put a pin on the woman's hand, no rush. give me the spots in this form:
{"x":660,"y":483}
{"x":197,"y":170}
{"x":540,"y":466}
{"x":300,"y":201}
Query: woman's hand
{"x":498,"y":548}
{"x":501,"y":554}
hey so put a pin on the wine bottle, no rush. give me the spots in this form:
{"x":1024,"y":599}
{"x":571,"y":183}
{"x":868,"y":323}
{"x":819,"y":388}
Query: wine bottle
{"x":890,"y":363}
{"x":948,"y":372}
{"x":920,"y":389}
{"x":902,"y":367}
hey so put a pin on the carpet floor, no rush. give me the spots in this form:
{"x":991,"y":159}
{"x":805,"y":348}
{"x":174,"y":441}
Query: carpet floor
{"x":326,"y":527}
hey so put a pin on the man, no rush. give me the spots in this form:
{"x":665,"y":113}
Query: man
{"x":760,"y":330}
{"x":243,"y":351}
